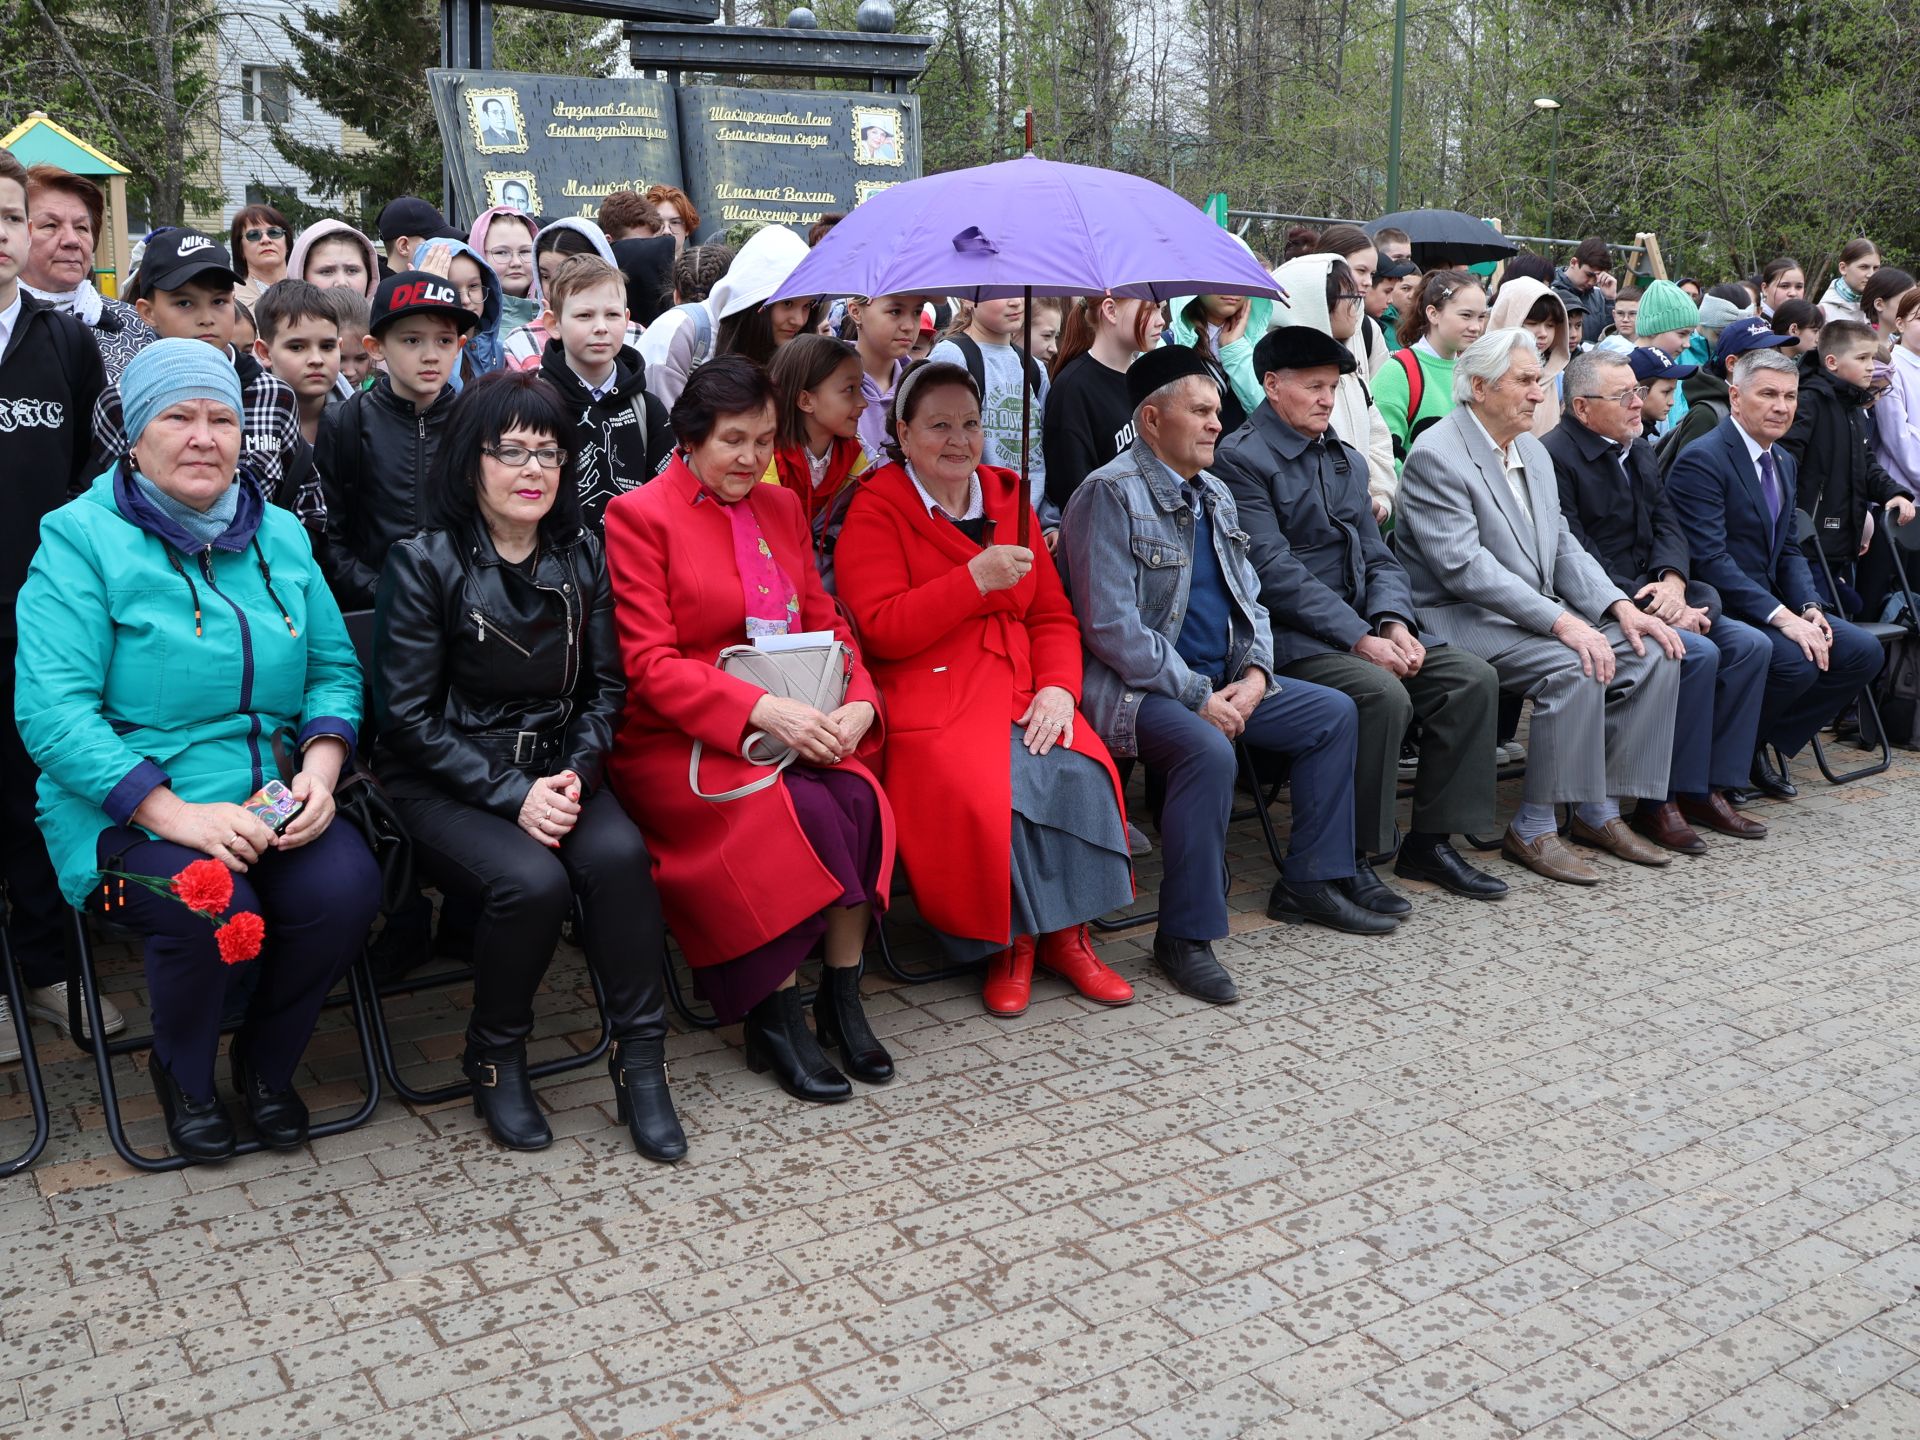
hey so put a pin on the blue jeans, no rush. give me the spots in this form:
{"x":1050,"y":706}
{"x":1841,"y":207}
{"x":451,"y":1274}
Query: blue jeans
{"x":1316,"y":726}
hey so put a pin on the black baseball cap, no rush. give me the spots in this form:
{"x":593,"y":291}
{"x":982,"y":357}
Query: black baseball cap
{"x":173,"y":257}
{"x":410,"y":215}
{"x":1392,"y":269}
{"x":418,"y":292}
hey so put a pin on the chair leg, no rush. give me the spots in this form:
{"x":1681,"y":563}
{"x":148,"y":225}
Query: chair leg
{"x":29,"y":1065}
{"x":681,"y":1006}
{"x":921,"y":976}
{"x":1872,"y":708}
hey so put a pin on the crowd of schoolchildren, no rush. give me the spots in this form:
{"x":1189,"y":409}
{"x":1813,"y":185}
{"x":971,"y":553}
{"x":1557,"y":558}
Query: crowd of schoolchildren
{"x":572,"y":468}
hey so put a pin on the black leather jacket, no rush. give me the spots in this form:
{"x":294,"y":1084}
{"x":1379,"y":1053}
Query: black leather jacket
{"x":486,"y":677}
{"x":373,"y":454}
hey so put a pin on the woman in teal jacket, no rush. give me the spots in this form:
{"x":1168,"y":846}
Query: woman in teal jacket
{"x":172,"y":621}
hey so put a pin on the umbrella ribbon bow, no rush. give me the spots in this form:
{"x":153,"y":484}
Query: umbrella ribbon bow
{"x":973,"y":241}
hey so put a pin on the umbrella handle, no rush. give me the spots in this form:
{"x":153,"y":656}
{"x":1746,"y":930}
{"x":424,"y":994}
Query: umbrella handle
{"x":1024,"y":528}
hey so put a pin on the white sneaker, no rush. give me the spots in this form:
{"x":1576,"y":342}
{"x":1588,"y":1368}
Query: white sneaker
{"x":9,"y":1037}
{"x":1516,"y":752}
{"x":49,"y":1003}
{"x":1137,"y":841}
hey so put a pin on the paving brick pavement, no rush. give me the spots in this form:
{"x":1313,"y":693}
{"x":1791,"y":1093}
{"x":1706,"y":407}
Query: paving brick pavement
{"x":1636,"y":1161}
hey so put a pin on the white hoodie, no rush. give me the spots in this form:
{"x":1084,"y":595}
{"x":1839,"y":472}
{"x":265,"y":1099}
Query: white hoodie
{"x":671,"y":346}
{"x":1356,"y":419}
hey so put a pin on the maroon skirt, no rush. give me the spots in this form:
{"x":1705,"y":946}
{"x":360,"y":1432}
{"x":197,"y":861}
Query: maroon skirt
{"x":840,"y":816}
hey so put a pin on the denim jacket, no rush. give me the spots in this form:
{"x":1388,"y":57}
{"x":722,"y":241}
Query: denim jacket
{"x":1126,"y":553}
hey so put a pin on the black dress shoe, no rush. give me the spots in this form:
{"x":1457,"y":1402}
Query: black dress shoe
{"x":641,"y":1099}
{"x":1739,"y":798}
{"x":1193,"y":970}
{"x":1443,"y":865}
{"x":778,"y":1040}
{"x":1329,"y":905}
{"x":503,"y":1096}
{"x":1769,"y":780}
{"x":199,"y":1129}
{"x":1369,"y":891}
{"x":279,"y":1116}
{"x":841,"y":1023}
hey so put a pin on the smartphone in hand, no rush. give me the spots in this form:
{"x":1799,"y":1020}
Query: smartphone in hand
{"x":274,"y":805}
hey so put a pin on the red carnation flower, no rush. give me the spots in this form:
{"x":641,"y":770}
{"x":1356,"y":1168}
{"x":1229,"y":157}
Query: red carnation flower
{"x":205,"y":885}
{"x":241,"y":937}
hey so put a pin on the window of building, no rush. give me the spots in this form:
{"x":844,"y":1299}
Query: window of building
{"x":263,"y":93}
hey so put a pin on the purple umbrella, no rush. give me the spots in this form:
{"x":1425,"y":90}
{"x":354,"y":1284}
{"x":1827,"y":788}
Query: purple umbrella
{"x":1028,"y":227}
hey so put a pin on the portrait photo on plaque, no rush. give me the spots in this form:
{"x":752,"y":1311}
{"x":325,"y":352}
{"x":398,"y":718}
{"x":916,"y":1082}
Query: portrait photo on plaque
{"x":865,"y":190}
{"x":498,"y":127}
{"x":876,"y":136}
{"x":516,"y":189}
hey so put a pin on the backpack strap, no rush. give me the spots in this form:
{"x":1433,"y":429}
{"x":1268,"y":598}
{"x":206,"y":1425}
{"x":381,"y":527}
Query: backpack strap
{"x":976,"y":363}
{"x":637,"y":402}
{"x":702,"y":318}
{"x":1416,"y":381}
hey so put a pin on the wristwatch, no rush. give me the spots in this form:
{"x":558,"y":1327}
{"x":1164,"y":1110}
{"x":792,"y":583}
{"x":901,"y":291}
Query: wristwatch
{"x":1813,"y":607}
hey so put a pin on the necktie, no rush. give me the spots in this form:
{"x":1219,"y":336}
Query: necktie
{"x":1770,"y":486}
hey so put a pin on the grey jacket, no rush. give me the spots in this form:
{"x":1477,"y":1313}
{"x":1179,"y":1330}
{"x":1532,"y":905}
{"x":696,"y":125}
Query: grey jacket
{"x":1486,"y":576}
{"x":1326,"y":576}
{"x":1126,"y":554}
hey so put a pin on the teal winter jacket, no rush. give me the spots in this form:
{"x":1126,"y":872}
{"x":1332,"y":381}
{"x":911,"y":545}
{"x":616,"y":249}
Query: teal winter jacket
{"x":147,"y":659}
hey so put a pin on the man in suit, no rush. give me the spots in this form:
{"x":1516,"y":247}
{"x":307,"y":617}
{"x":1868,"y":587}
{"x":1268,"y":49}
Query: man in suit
{"x":1496,"y":571}
{"x":1734,"y":491}
{"x":1343,"y":617}
{"x":1616,"y":505}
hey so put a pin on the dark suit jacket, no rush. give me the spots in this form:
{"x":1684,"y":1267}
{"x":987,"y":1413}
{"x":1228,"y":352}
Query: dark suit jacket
{"x":1326,"y":576}
{"x":1735,"y":547}
{"x":1629,"y":526}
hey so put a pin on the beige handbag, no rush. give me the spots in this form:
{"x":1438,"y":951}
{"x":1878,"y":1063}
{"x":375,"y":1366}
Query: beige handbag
{"x":815,"y":675}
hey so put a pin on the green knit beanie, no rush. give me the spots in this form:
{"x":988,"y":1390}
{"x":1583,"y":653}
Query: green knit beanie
{"x":1664,"y":307}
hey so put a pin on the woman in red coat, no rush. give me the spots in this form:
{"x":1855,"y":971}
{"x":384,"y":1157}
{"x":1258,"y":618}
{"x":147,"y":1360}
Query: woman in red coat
{"x":1012,"y":825}
{"x":702,"y":558}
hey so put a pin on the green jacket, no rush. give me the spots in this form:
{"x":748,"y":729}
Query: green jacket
{"x":1236,"y":358}
{"x":1391,"y":394}
{"x":146,"y":660}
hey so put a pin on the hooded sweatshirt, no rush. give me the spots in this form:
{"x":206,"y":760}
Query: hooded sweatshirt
{"x":760,"y":267}
{"x":515,"y":310}
{"x":1840,"y":302}
{"x":527,"y":345}
{"x":484,"y":351}
{"x":618,"y":440}
{"x":320,"y":230}
{"x":1510,"y":308}
{"x":1236,"y":357}
{"x":1356,"y":419}
{"x":647,"y":262}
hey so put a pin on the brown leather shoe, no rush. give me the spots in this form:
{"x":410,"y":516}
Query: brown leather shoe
{"x":1617,"y":840}
{"x":1663,"y":826}
{"x":1716,"y":812}
{"x":1550,"y":857}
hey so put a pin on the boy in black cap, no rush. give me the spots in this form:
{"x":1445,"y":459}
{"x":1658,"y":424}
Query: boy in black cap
{"x":376,"y":448}
{"x":184,"y":290}
{"x":405,"y":225}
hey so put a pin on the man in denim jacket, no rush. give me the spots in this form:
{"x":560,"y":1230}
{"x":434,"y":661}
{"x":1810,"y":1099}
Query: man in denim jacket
{"x":1179,"y":665}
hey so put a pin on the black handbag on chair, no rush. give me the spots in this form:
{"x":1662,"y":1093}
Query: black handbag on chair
{"x":362,"y":802}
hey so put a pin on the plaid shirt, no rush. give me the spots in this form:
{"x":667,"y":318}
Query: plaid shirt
{"x":275,"y":450}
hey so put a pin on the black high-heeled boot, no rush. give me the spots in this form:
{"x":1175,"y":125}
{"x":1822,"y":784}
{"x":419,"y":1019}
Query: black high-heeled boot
{"x":503,"y":1097}
{"x":841,"y":1021}
{"x":640,"y":1095}
{"x":199,"y":1129}
{"x":778,"y":1039}
{"x":279,"y":1116}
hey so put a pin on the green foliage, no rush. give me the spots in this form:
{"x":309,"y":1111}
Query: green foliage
{"x":365,"y":64}
{"x":541,"y":42}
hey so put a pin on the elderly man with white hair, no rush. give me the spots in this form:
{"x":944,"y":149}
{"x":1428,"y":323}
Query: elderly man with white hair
{"x":1734,"y":490}
{"x":1496,"y":570}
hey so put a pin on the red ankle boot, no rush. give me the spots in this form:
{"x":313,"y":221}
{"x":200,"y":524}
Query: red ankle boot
{"x":1009,"y":983}
{"x":1069,"y":954}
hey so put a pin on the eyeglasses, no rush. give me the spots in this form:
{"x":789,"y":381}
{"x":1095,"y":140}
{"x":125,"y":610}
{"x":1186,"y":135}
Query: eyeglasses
{"x":548,"y":457}
{"x":1349,"y":297}
{"x":503,"y":257}
{"x":272,"y":232}
{"x":1625,"y":397}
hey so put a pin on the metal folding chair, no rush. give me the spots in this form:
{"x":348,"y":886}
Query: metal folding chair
{"x":29,"y":1064}
{"x":1884,"y":631}
{"x":86,"y":1023}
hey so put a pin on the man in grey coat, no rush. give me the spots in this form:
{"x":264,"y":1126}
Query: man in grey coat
{"x":1496,"y":570}
{"x":1179,"y":665}
{"x":1343,"y":615}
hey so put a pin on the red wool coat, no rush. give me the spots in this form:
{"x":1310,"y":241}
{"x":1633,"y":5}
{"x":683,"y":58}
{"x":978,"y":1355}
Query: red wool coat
{"x":735,"y":874}
{"x":956,"y":668}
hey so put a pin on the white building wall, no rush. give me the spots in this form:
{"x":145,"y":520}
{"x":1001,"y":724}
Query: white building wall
{"x":247,"y":157}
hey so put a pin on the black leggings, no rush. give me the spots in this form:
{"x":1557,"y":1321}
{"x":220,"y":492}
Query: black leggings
{"x":524,"y":891}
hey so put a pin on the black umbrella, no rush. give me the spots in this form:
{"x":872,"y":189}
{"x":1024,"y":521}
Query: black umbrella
{"x":1447,"y":237}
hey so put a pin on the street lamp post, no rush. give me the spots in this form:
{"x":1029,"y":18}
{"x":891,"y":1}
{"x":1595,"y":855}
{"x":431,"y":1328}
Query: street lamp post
{"x":1547,"y":103}
{"x":1393,"y":113}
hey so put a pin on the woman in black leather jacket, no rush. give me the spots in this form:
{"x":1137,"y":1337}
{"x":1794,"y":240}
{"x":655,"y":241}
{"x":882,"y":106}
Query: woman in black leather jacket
{"x":497,"y":681}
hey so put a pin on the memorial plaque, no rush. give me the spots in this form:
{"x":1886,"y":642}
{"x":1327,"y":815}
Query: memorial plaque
{"x":553,"y":145}
{"x":781,"y":157}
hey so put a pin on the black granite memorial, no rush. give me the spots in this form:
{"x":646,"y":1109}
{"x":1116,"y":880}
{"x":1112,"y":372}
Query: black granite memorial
{"x":553,"y":145}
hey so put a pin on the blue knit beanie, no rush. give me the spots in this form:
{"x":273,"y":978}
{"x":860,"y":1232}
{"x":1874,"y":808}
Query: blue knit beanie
{"x":169,"y":371}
